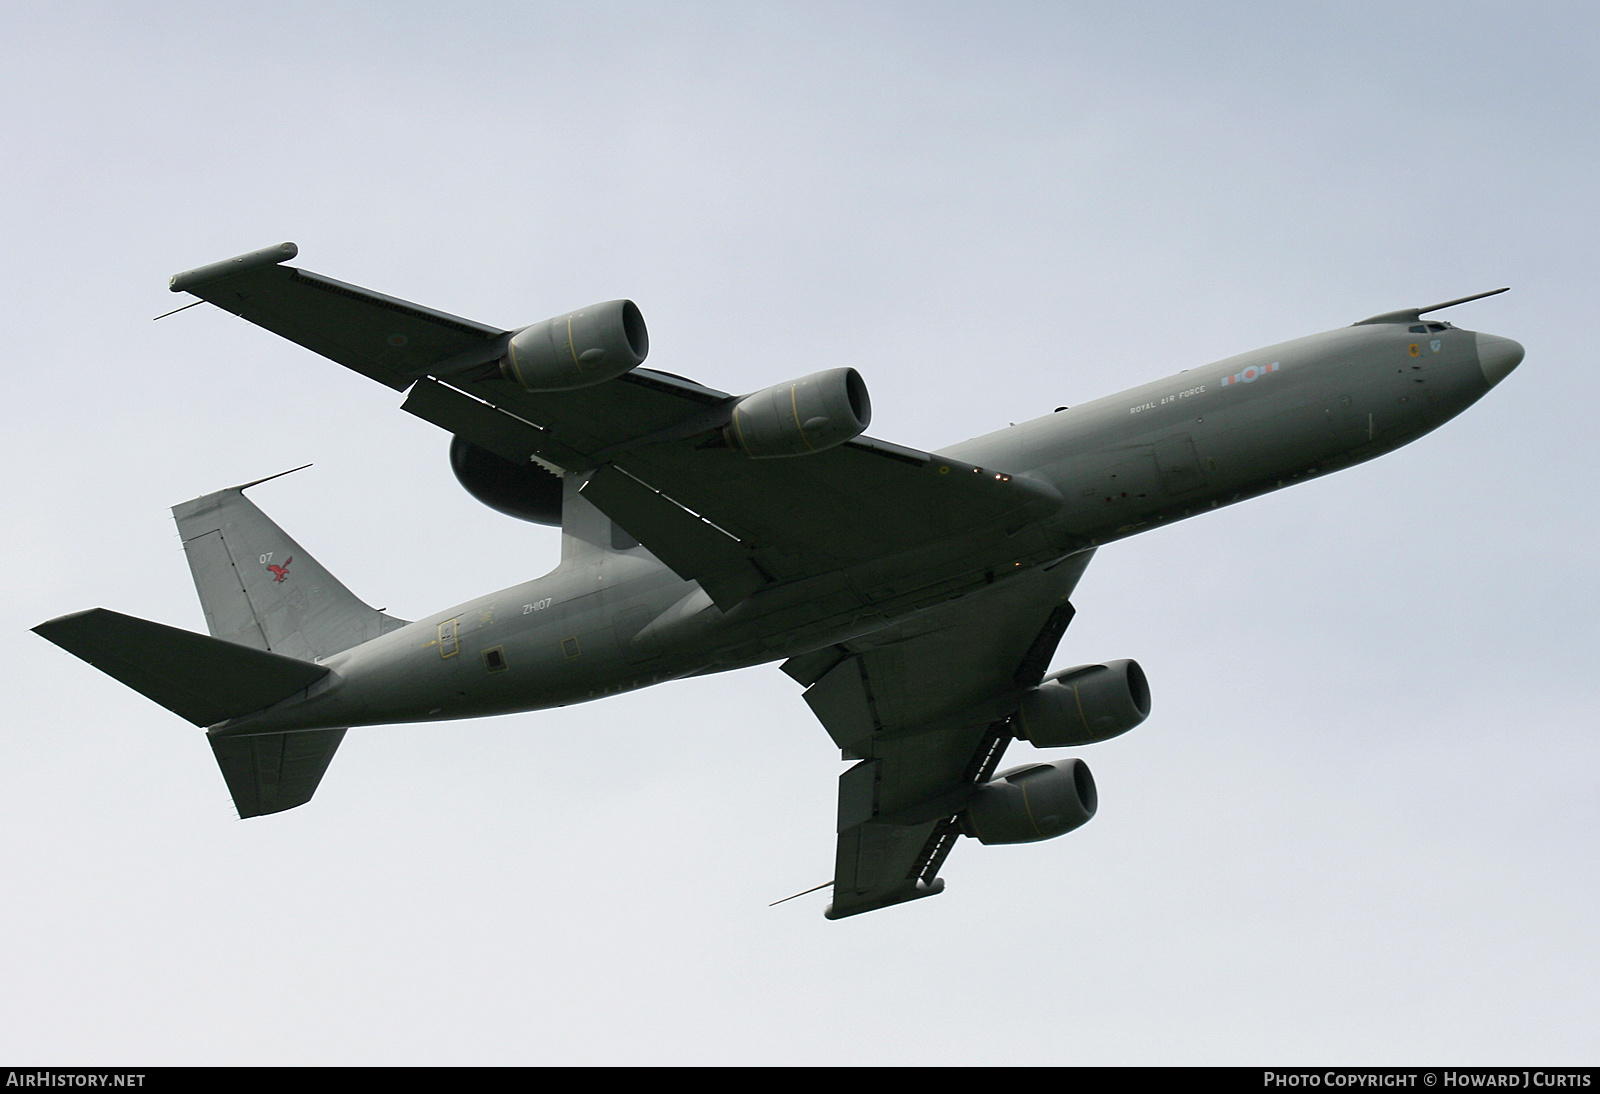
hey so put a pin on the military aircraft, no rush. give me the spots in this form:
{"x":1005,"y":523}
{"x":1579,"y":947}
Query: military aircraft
{"x":918,"y":597}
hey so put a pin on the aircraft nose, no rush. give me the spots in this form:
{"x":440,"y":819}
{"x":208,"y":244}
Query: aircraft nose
{"x":1497,"y":357}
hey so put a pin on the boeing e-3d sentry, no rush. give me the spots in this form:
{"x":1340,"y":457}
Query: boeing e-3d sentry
{"x":918,"y":597}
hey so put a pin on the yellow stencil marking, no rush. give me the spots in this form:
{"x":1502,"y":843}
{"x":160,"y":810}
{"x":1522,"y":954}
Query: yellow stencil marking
{"x":1027,"y":805}
{"x":1079,"y":697}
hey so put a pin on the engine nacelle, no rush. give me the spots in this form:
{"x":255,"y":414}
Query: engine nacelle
{"x":580,"y":348}
{"x":802,"y":417}
{"x":1083,"y":705}
{"x":522,"y":490}
{"x":1031,"y":803}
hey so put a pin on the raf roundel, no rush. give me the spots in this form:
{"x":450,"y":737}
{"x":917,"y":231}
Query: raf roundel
{"x":1250,"y":375}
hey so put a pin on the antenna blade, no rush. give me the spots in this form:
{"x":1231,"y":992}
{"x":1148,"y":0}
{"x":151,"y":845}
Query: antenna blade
{"x":813,"y":889}
{"x":1462,"y":300}
{"x":1411,"y":315}
{"x":269,"y":478}
{"x":175,"y":311}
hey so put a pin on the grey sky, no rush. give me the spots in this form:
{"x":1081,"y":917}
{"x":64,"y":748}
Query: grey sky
{"x":1360,"y":824}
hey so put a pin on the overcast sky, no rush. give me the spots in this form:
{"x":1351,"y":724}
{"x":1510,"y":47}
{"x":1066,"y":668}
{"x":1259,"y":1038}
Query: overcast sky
{"x":1360,"y":825}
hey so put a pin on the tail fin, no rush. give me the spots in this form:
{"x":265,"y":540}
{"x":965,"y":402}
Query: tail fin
{"x":260,"y":588}
{"x":271,"y":772}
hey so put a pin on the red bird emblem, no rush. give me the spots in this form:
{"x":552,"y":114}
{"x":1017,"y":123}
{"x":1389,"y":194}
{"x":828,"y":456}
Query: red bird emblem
{"x":281,"y":573}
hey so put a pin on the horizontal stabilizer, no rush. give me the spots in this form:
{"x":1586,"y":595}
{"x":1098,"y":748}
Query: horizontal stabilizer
{"x":272,"y":772}
{"x":205,"y":680}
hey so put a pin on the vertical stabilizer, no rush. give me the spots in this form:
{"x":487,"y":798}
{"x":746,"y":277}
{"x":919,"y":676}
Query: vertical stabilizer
{"x":260,"y":588}
{"x":271,"y":772}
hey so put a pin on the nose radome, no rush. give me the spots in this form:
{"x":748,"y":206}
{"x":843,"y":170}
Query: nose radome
{"x":1497,"y":357}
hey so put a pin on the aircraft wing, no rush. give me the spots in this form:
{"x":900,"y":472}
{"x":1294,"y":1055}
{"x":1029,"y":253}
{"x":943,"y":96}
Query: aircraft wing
{"x":646,"y":443}
{"x":389,"y":340}
{"x":926,"y":709}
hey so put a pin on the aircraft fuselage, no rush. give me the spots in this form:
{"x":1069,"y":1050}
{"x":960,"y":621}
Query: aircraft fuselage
{"x":607,"y":622}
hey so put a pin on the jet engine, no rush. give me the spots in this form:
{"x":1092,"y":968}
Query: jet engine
{"x":580,"y":348}
{"x":522,"y":490}
{"x":1085,"y":704}
{"x":795,"y":419}
{"x":1031,"y":803}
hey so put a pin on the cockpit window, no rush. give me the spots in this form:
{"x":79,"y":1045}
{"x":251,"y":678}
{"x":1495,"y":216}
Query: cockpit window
{"x":1418,"y":329}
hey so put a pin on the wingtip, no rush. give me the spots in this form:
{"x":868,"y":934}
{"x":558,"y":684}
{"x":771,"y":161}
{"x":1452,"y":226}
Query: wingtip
{"x":230,"y":267}
{"x":44,"y":630}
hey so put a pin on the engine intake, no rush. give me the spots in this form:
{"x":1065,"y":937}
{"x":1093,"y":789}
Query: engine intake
{"x":1085,"y":704}
{"x":798,"y":418}
{"x":581,"y":348}
{"x":1031,"y":803}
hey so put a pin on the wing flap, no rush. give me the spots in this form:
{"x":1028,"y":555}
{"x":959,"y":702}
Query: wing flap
{"x":812,"y":514}
{"x":691,"y":546}
{"x":588,"y":426}
{"x":967,"y":660}
{"x":484,"y":425}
